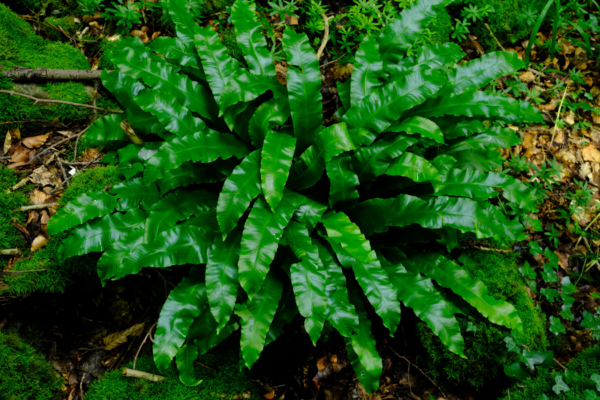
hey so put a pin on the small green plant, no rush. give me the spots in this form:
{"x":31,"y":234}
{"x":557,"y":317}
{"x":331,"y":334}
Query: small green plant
{"x":239,"y":178}
{"x":90,"y":6}
{"x":126,"y":14}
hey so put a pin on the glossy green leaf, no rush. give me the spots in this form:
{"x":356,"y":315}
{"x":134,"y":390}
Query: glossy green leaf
{"x":345,"y":233}
{"x":423,"y":126}
{"x":189,"y":173}
{"x":362,"y":350}
{"x":285,"y":314}
{"x":381,"y":108}
{"x":245,"y":87}
{"x":370,"y":162}
{"x":304,"y":87}
{"x":174,"y":49}
{"x":270,"y":113}
{"x":242,"y":186}
{"x":100,"y":233}
{"x":203,"y":334}
{"x":367,"y":70}
{"x":205,"y":147}
{"x":414,"y":167}
{"x":418,"y":293}
{"x":107,"y":129}
{"x":448,"y":274}
{"x":185,"y":358}
{"x":260,"y":240}
{"x":343,"y":182}
{"x":275,"y":163}
{"x":400,"y":35}
{"x":431,"y":56}
{"x":135,"y":192}
{"x":256,"y":315}
{"x":222,"y":276}
{"x":86,"y":206}
{"x":185,"y":302}
{"x":182,"y":18}
{"x":309,"y":212}
{"x":343,"y":89}
{"x":481,"y":71}
{"x":250,"y":38}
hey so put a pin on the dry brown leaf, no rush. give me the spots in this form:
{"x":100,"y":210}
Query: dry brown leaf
{"x":527,"y":77}
{"x":528,"y":140}
{"x":291,"y":20}
{"x":44,"y":221}
{"x":7,"y":143}
{"x":90,"y":18}
{"x":550,"y":106}
{"x":569,"y":117}
{"x":44,"y":177}
{"x":591,"y":153}
{"x":140,"y":34}
{"x":281,"y":70}
{"x":115,"y":339}
{"x":66,"y":133}
{"x":155,"y":35}
{"x":35,"y":141}
{"x":22,"y":229}
{"x":95,"y":28}
{"x":89,"y":155}
{"x":33,"y":215}
{"x":38,"y":243}
{"x":21,"y":154}
{"x":37,"y":197}
{"x":560,"y":136}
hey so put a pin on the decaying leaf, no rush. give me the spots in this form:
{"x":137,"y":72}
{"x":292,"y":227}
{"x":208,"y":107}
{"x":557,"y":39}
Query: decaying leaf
{"x":115,"y":339}
{"x":591,"y":153}
{"x":37,"y":197}
{"x":44,"y":177}
{"x":89,"y":155}
{"x":38,"y":243}
{"x":269,"y":395}
{"x":281,"y":70}
{"x":527,"y":77}
{"x":33,"y":215}
{"x":35,"y":141}
{"x":7,"y":142}
{"x":140,"y":34}
{"x":21,"y":154}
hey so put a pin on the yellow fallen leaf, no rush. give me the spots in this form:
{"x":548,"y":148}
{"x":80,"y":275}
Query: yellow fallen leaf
{"x":7,"y":142}
{"x":527,"y":77}
{"x":591,"y":153}
{"x":38,"y":243}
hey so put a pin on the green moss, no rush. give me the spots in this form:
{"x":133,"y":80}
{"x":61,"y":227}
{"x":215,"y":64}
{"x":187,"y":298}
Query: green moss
{"x":58,"y":275}
{"x":230,"y":42}
{"x":440,"y":28}
{"x":485,"y":348}
{"x":221,"y":380}
{"x":106,"y":49}
{"x":577,"y":378}
{"x":19,"y":45}
{"x":10,"y":237}
{"x":67,"y":23}
{"x":25,"y":374}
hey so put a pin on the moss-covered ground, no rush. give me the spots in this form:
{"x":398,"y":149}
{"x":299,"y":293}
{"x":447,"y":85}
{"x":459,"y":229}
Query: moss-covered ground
{"x":484,"y":342}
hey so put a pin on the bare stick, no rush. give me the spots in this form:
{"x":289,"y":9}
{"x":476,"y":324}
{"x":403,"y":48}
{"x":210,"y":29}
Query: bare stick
{"x":27,"y":74}
{"x":76,"y":163}
{"x":62,"y":169}
{"x":36,"y":207}
{"x":71,"y":177}
{"x":132,"y":373}
{"x":325,"y":36}
{"x":497,"y":42}
{"x":9,"y":252}
{"x":37,"y":100}
{"x":424,"y":374}
{"x":21,"y":183}
{"x":142,"y":345}
{"x":25,"y":120}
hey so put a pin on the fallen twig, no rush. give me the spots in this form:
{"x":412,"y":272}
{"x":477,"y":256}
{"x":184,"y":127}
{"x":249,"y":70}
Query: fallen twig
{"x":132,"y":373}
{"x":38,"y":100}
{"x":424,"y":374}
{"x":21,"y":183}
{"x":57,"y":144}
{"x":488,"y":249}
{"x":36,"y":207}
{"x":142,"y":345}
{"x":325,"y":36}
{"x":28,"y":74}
{"x":9,"y":252}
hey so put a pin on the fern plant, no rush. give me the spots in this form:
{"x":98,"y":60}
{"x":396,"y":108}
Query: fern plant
{"x":235,"y":174}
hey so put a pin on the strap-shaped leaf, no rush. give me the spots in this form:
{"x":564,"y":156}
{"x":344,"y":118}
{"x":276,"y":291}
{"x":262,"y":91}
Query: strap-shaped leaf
{"x":343,"y":182}
{"x":331,"y":142}
{"x":257,"y":315}
{"x":218,"y":66}
{"x":85,"y":207}
{"x":172,"y":115}
{"x":381,"y":293}
{"x":245,"y":87}
{"x":250,"y":38}
{"x":203,"y":334}
{"x":367,"y":70}
{"x":399,"y":35}
{"x":470,"y":104}
{"x":343,"y":89}
{"x":414,"y":167}
{"x":183,"y":18}
{"x":189,"y":173}
{"x":340,"y":312}
{"x":175,"y":50}
{"x":370,"y":162}
{"x":135,"y":192}
{"x":285,"y":313}
{"x":479,"y":72}
{"x":222,"y":276}
{"x":309,"y":212}
{"x":347,"y":234}
{"x":135,"y":60}
{"x":423,"y":126}
{"x":450,"y":275}
{"x":275,"y":163}
{"x":430,"y":57}
{"x":456,"y":127}
{"x":107,"y":129}
{"x":304,"y":87}
{"x":175,"y":207}
{"x":182,"y":244}
{"x":242,"y":186}
{"x":362,"y":350}
{"x":418,"y":293}
{"x":108,"y":265}
{"x":200,"y":146}
{"x":260,"y":240}
{"x":494,"y":138}
{"x":381,"y":108}
{"x":185,"y":302}
{"x":98,"y":234}
{"x":185,"y":358}
{"x":270,"y":113}
{"x":308,"y":280}
{"x":481,"y":160}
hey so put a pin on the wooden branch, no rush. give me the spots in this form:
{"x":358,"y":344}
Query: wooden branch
{"x":132,"y":373}
{"x":142,"y":345}
{"x":36,"y":207}
{"x":325,"y":36}
{"x":27,"y":74}
{"x":37,"y":100}
{"x":9,"y":252}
